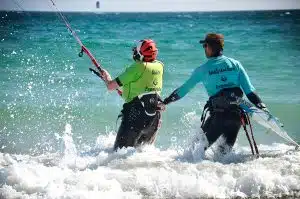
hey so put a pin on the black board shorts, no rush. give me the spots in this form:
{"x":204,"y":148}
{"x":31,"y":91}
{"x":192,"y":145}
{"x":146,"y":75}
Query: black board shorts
{"x":138,"y":127}
{"x":227,"y":123}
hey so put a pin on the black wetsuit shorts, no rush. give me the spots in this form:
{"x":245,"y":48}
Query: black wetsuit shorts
{"x":225,"y":117}
{"x":140,"y":122}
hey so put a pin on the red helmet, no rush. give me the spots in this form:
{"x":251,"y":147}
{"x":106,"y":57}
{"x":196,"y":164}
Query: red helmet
{"x":145,"y":51}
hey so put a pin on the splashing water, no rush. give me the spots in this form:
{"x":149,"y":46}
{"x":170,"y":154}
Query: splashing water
{"x":57,"y":124}
{"x":149,"y":172}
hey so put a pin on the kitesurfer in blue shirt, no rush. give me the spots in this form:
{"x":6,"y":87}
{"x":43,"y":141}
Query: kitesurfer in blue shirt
{"x":225,"y":81}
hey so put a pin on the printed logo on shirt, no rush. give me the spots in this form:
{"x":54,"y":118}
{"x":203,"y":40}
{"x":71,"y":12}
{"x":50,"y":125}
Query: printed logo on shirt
{"x":221,"y":70}
{"x":224,"y":78}
{"x":152,"y":89}
{"x":155,"y":72}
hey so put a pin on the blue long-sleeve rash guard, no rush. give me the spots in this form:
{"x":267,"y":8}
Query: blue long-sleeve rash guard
{"x":218,"y":73}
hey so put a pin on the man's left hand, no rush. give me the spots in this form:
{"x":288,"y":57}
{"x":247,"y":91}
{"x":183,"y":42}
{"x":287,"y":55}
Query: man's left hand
{"x":106,"y":76}
{"x":263,"y":107}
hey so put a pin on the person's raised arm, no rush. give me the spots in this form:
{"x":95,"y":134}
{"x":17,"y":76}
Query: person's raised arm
{"x":127,"y":76}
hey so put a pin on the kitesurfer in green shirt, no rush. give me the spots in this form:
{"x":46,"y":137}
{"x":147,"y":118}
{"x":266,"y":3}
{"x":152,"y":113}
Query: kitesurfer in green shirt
{"x":141,"y":84}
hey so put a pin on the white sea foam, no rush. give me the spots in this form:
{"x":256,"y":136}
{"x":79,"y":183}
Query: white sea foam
{"x":149,"y":172}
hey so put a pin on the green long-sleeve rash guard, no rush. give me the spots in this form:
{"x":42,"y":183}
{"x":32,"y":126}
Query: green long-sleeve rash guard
{"x":141,"y":77}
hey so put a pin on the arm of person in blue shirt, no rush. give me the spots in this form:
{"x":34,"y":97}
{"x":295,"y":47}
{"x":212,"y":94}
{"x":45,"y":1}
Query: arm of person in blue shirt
{"x":186,"y":87}
{"x":249,"y":89}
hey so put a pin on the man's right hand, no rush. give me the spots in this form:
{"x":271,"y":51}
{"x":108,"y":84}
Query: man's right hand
{"x":161,"y":106}
{"x":172,"y":98}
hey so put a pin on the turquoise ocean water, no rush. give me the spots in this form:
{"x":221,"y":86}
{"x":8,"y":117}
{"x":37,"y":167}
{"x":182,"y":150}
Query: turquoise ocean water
{"x":54,"y":113}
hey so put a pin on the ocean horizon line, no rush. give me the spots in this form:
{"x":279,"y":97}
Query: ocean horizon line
{"x":153,"y":12}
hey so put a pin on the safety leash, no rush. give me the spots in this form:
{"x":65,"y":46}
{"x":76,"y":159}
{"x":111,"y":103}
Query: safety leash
{"x":83,"y":48}
{"x":246,"y":121}
{"x":247,"y":134}
{"x":254,"y":142}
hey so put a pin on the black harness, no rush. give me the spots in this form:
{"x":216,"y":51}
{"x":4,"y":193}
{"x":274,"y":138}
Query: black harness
{"x":140,"y":108}
{"x":227,"y":100}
